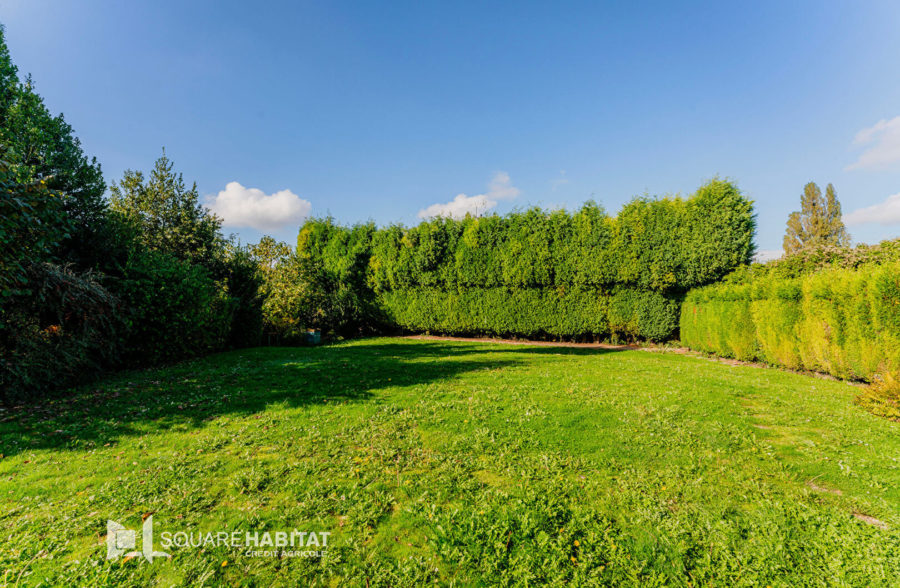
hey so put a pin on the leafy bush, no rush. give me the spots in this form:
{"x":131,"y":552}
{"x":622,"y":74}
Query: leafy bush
{"x":331,"y":264}
{"x":300,"y":293}
{"x":173,"y":309}
{"x":882,"y":397}
{"x":642,"y":314}
{"x":284,"y":304}
{"x":844,"y":322}
{"x":244,"y":283}
{"x":62,"y":330}
{"x":816,"y":259}
{"x":32,"y":223}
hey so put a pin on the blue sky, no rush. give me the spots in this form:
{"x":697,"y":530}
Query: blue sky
{"x":377,"y":110}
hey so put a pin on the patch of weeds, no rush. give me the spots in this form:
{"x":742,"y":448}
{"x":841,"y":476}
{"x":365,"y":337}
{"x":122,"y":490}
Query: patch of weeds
{"x":882,"y":397}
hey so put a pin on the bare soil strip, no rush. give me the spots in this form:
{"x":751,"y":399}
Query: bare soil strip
{"x":871,"y":521}
{"x":524,"y":342}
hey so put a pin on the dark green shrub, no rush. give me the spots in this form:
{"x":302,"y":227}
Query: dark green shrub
{"x":244,"y":282}
{"x":180,"y":291}
{"x":173,"y":309}
{"x":717,"y":235}
{"x":32,"y":224}
{"x":642,"y":314}
{"x":63,"y":329}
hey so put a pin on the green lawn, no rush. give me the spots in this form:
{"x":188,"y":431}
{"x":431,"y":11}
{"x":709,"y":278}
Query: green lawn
{"x":457,"y":464}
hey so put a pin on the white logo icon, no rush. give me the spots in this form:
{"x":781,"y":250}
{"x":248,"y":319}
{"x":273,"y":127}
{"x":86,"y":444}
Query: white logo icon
{"x":119,"y":540}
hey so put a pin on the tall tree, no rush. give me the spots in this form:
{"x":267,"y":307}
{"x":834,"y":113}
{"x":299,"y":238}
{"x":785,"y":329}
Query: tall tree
{"x":38,"y":146}
{"x":32,"y":222}
{"x":166,"y":216}
{"x":818,"y":222}
{"x":836,"y":228}
{"x":9,"y":79}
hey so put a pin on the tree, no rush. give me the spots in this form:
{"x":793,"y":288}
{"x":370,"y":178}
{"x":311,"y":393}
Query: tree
{"x":818,"y":223}
{"x":268,"y":253}
{"x":245,"y":279}
{"x":835,"y":218}
{"x":165,"y":216}
{"x":9,"y":79}
{"x":41,"y":147}
{"x":32,"y":223}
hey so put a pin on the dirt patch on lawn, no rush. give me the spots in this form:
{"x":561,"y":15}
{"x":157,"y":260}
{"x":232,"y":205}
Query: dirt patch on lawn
{"x":715,"y":358}
{"x":813,"y":486}
{"x":871,"y":521}
{"x":524,"y":342}
{"x":757,"y":364}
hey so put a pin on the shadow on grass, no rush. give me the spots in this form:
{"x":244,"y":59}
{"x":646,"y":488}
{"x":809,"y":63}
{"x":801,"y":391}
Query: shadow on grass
{"x":244,"y":382}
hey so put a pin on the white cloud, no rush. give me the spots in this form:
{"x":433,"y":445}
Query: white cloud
{"x":764,"y":255}
{"x":884,"y":213}
{"x":883,"y":139}
{"x":500,"y":188}
{"x":459,"y":207}
{"x":250,"y":207}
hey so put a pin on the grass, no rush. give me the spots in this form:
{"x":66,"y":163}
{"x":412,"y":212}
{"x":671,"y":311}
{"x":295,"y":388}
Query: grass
{"x":458,"y":464}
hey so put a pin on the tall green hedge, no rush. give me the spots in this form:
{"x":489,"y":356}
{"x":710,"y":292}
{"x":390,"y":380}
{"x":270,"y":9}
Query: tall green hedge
{"x":844,"y":322}
{"x":535,"y":273}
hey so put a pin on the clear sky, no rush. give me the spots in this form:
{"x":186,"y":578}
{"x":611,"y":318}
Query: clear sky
{"x":385,"y":110}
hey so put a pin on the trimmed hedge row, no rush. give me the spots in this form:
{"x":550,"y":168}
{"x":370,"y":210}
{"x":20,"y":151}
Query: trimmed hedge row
{"x":534,"y":273}
{"x":534,"y":312}
{"x":843,"y":322}
{"x":668,"y":244}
